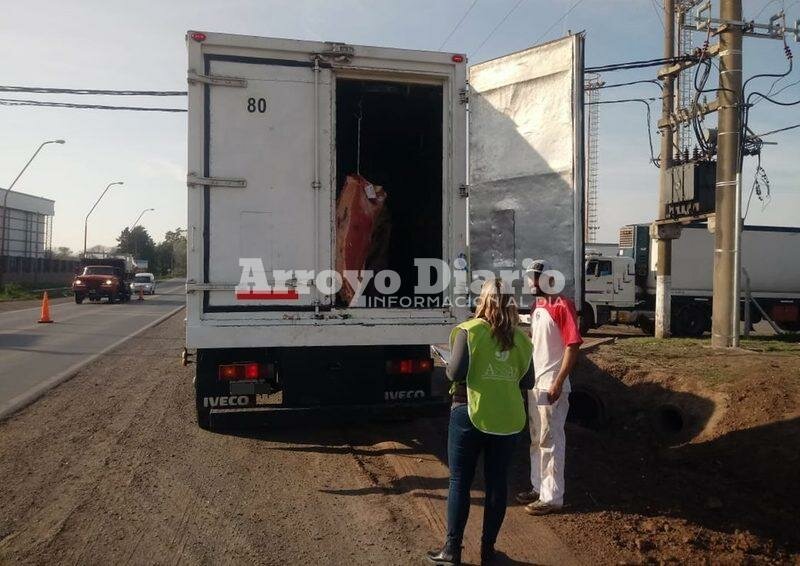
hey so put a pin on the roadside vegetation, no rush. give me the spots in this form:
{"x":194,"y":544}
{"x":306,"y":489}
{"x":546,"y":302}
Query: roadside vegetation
{"x":20,"y":292}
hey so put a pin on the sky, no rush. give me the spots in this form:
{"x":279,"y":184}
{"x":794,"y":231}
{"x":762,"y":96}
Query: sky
{"x":140,"y":46}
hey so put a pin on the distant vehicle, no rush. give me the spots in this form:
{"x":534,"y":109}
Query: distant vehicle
{"x":146,"y":282}
{"x":623,"y":287}
{"x":103,"y":278}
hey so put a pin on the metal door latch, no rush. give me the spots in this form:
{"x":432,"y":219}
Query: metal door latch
{"x":193,"y":179}
{"x":215,"y":80}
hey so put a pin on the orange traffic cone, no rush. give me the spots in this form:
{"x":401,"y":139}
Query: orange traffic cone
{"x":45,"y":309}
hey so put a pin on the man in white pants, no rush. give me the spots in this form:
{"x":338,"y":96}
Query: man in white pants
{"x":556,"y":340}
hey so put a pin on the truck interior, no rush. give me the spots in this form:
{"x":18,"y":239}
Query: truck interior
{"x":398,"y":128}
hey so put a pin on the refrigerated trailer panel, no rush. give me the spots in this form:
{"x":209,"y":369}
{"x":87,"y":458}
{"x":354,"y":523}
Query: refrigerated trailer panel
{"x":526,"y":160}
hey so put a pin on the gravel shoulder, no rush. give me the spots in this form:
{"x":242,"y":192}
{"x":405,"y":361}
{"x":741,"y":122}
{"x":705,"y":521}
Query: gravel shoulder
{"x":111,"y":468}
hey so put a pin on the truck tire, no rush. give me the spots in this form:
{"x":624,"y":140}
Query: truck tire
{"x":78,"y":298}
{"x":201,"y":390}
{"x":691,"y":321}
{"x":647,"y":325}
{"x":587,"y":319}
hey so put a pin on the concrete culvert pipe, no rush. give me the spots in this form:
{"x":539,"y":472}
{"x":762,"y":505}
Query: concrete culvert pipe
{"x":586,"y":409}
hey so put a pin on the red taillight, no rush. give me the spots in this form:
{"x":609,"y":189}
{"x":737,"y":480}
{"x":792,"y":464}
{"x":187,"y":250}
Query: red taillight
{"x":198,"y":36}
{"x":251,"y":371}
{"x":228,"y":372}
{"x":246,"y":370}
{"x":409,"y":366}
{"x":458,"y":58}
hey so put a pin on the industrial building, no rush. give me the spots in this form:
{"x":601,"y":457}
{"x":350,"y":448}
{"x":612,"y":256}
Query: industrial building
{"x":26,"y":241}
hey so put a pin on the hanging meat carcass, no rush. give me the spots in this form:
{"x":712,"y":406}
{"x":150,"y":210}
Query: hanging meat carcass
{"x":358,"y":209}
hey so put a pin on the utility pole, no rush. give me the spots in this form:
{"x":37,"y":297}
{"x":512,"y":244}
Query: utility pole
{"x":725,"y":309}
{"x":664,"y":244}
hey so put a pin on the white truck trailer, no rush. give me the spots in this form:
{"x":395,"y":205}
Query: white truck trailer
{"x":278,"y":130}
{"x":625,"y":286}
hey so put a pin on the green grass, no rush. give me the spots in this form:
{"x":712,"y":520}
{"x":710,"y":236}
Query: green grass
{"x":782,"y":343}
{"x":18,"y":292}
{"x":678,"y":347}
{"x":13,"y":292}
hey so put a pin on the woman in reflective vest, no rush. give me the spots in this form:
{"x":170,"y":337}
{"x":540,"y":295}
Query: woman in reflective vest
{"x":490,"y":362}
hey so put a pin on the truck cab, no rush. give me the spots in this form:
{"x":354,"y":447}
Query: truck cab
{"x":610,"y":283}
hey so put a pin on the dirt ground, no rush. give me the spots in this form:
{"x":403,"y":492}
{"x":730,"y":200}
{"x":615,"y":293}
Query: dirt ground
{"x":692,"y":455}
{"x":110,"y":468}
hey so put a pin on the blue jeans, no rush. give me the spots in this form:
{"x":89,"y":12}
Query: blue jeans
{"x":464,"y":445}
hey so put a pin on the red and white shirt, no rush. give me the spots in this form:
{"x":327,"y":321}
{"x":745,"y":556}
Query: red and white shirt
{"x":554,"y":326}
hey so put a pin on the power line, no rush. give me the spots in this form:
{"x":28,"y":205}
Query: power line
{"x":651,"y":81}
{"x":658,"y":14}
{"x":558,"y":21}
{"x":17,"y":102}
{"x":778,"y":130}
{"x":640,"y":64}
{"x":48,"y":90}
{"x":764,"y":7}
{"x":500,"y":23}
{"x":458,"y":25}
{"x":646,"y":102}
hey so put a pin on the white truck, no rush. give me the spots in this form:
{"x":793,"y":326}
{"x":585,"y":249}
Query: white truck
{"x":281,"y":130}
{"x":623,"y":287}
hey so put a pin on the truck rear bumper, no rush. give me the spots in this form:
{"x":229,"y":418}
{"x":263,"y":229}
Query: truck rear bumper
{"x":328,"y":413}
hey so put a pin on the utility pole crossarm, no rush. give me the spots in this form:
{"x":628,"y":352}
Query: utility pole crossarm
{"x":677,"y":68}
{"x":685,"y":114}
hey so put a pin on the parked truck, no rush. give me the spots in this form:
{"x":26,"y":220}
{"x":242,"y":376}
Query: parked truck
{"x":623,"y":287}
{"x":309,"y":157}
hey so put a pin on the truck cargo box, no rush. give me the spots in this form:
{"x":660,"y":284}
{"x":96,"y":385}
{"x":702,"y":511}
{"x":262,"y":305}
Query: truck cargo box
{"x":277,"y":125}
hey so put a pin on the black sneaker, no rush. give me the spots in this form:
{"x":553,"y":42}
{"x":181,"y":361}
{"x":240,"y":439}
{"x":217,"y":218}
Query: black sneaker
{"x":526,"y":497}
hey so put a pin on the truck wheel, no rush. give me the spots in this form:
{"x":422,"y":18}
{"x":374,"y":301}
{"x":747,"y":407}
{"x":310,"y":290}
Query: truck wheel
{"x":690,"y":321}
{"x":112,"y":298}
{"x":647,"y":325}
{"x":587,"y":319}
{"x":78,"y":299}
{"x":201,"y":391}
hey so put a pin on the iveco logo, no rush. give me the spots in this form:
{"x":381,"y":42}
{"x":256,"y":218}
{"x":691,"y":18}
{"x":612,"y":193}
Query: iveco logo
{"x":397,"y":395}
{"x":232,"y":401}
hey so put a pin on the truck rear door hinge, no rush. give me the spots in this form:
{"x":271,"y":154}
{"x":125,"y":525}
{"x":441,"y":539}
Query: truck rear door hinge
{"x":463,"y":96}
{"x":463,"y":191}
{"x":192,"y":179}
{"x":336,"y":52}
{"x":215,"y":80}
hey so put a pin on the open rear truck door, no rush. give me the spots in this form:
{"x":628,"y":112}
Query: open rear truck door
{"x":526,"y":161}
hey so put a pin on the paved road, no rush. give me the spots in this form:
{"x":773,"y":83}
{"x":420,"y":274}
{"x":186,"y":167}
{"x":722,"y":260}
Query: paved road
{"x":31,"y":354}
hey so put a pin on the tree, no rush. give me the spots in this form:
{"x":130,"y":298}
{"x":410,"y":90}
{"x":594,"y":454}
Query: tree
{"x":63,"y":251}
{"x":171,"y":253}
{"x":137,"y":243}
